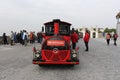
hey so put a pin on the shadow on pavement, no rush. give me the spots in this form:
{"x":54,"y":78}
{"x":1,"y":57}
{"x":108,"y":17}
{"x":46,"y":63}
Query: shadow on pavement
{"x":61,"y":67}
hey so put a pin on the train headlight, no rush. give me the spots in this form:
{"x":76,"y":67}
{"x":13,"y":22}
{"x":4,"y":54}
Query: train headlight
{"x":37,"y":55}
{"x":37,"y":51}
{"x":73,"y":51}
{"x":74,"y":55}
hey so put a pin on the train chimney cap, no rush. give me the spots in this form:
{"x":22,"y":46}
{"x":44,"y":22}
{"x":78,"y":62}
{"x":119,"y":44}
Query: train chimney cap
{"x":56,"y":20}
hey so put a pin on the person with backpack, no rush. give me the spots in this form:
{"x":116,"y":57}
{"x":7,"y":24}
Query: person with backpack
{"x":115,"y":36}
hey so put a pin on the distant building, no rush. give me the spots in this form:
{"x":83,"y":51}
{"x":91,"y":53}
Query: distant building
{"x":94,"y":32}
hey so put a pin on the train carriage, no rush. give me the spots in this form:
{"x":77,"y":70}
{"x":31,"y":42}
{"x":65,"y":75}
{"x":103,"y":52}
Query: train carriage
{"x":56,"y":47}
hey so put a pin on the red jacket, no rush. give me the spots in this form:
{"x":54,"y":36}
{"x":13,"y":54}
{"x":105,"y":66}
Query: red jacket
{"x":74,"y":37}
{"x":86,"y":37}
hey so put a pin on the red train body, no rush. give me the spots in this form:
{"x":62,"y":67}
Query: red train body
{"x":56,"y":47}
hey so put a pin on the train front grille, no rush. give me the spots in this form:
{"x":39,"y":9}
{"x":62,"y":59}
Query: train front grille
{"x":61,"y":55}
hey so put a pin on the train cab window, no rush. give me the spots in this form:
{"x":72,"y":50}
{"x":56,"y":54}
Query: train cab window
{"x":64,"y":30}
{"x":49,"y":29}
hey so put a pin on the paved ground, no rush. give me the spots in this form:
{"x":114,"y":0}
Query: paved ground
{"x":100,"y":63}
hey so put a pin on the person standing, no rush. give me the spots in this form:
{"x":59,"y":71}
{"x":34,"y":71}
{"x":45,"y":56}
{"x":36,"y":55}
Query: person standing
{"x":74,"y":38}
{"x":20,"y":37}
{"x":15,"y":38}
{"x":5,"y":39}
{"x":38,"y":37}
{"x":12,"y":38}
{"x":41,"y":37}
{"x":108,"y":36}
{"x":31,"y":37}
{"x":86,"y":40}
{"x":115,"y":36}
{"x":24,"y":37}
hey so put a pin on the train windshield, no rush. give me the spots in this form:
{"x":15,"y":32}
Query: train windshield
{"x":49,"y":29}
{"x":64,"y":29}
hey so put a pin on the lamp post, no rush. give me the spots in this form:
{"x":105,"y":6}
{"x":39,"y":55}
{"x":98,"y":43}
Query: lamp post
{"x":118,"y":24}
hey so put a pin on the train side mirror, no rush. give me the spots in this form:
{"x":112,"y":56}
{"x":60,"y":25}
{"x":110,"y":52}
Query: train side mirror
{"x":42,"y":29}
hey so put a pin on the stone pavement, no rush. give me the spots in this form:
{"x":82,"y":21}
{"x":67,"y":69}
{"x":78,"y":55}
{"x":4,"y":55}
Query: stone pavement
{"x":100,"y":63}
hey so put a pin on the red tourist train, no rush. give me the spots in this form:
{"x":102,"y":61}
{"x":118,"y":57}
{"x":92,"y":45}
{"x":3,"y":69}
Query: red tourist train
{"x":56,"y":47}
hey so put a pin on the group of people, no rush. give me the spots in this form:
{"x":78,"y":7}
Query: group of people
{"x":74,"y":39}
{"x":22,"y":37}
{"x":86,"y":37}
{"x":109,"y":37}
{"x":19,"y":37}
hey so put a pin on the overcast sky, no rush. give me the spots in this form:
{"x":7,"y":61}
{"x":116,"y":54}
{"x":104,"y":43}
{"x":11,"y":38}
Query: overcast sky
{"x":31,"y":14}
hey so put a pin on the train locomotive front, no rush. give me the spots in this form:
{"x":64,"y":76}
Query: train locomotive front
{"x":56,"y":47}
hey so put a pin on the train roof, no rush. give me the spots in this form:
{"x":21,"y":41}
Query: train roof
{"x":57,"y":20}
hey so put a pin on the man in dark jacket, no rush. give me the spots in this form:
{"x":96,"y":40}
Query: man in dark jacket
{"x":5,"y":38}
{"x":86,"y":39}
{"x":74,"y":38}
{"x":115,"y":36}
